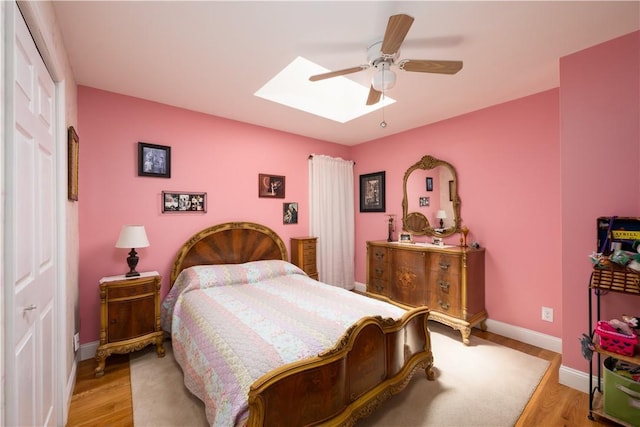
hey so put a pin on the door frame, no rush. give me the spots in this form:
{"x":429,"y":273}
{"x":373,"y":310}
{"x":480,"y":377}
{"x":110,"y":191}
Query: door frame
{"x":37,"y":25}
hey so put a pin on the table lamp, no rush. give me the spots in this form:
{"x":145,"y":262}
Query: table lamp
{"x":132,"y":236}
{"x":441,"y":214}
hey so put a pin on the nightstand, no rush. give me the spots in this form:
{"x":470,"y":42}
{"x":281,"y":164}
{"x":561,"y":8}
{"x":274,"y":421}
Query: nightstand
{"x":129,"y":316}
{"x":303,"y":254}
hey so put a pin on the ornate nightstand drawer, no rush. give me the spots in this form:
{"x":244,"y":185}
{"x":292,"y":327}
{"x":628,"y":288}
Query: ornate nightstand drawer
{"x":131,"y":290}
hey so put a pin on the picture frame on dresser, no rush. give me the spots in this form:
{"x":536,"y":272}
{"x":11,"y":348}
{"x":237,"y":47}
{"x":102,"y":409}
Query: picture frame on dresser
{"x":405,"y":238}
{"x":154,"y":160}
{"x":372,"y":192}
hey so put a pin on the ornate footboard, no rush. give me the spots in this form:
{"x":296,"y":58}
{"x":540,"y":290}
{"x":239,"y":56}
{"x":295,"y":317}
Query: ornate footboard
{"x":375,"y":359}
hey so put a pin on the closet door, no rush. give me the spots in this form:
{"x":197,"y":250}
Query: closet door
{"x":30,"y":276}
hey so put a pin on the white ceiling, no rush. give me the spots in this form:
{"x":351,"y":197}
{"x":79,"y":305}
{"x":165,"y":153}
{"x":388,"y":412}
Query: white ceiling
{"x":211,"y":56}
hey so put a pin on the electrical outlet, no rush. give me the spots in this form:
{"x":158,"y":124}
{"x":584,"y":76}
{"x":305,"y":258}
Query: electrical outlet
{"x":547,"y":314}
{"x":76,"y":342}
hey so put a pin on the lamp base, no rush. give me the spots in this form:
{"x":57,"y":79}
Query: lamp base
{"x":132,"y":261}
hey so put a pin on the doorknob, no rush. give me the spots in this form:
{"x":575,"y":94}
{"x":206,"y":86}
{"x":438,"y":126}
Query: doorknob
{"x":30,"y":307}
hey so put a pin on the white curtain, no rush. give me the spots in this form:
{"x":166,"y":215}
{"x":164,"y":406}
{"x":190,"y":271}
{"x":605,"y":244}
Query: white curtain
{"x":331,"y":218}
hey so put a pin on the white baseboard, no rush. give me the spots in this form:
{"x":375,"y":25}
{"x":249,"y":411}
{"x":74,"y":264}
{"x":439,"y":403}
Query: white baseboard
{"x":88,"y":350}
{"x":575,"y":379}
{"x":527,"y":336}
{"x":71,"y":383}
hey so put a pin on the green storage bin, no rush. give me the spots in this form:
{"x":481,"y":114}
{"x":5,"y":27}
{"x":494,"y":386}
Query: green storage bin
{"x":621,"y":395}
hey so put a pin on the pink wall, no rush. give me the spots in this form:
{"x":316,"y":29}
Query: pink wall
{"x":600,"y":110}
{"x":209,"y":154}
{"x":534,"y":173}
{"x":507,"y":159}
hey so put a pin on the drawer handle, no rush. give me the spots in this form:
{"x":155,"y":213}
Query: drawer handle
{"x":379,"y":255}
{"x":379,"y":271}
{"x":444,"y":305}
{"x":30,"y":307}
{"x":444,"y":286}
{"x":444,"y":265}
{"x":379,"y":288}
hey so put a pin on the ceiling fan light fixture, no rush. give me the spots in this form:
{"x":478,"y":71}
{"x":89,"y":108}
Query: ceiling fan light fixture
{"x":384,"y":79}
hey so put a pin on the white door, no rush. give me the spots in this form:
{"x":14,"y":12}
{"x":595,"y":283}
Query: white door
{"x":30,"y":237}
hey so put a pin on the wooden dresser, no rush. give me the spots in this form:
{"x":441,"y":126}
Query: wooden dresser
{"x":129,"y":316}
{"x":303,"y":254}
{"x":449,"y":280}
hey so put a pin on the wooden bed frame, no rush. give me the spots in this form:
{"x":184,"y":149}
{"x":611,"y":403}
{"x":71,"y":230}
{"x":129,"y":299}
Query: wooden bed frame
{"x":374,"y":359}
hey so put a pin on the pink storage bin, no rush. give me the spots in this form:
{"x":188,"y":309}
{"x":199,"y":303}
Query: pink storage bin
{"x":612,"y":340}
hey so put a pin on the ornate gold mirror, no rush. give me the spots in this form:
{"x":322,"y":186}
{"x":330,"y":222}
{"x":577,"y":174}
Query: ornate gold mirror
{"x":430,"y":203}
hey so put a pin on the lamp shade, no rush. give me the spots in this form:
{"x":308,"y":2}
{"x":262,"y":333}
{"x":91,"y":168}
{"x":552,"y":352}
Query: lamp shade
{"x":441,"y":214}
{"x":132,"y":236}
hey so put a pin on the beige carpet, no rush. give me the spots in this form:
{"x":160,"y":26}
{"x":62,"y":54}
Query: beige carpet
{"x":483,"y":384}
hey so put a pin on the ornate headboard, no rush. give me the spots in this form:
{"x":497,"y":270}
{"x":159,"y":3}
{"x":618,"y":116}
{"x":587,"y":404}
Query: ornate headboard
{"x":229,"y":243}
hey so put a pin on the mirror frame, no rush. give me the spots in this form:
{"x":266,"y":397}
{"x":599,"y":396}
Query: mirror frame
{"x":410,"y":219}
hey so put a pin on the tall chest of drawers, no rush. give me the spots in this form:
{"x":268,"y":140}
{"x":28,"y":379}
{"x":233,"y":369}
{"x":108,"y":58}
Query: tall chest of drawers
{"x":303,"y":254}
{"x":449,"y":280}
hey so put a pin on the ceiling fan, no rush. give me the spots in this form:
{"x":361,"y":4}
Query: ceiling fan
{"x":383,"y":54}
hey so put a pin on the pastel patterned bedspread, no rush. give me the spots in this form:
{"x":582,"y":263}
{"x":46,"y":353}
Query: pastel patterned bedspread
{"x":231,"y":324}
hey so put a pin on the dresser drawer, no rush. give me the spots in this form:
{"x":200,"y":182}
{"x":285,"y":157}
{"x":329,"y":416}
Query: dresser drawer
{"x":444,"y":276}
{"x":408,"y":277}
{"x":309,"y":245}
{"x":445,"y":264}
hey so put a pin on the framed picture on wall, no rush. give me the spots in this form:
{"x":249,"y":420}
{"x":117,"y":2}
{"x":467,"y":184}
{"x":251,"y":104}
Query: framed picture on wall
{"x":270,"y":186}
{"x":73,"y":147}
{"x":154,"y":160}
{"x":182,"y":201}
{"x":429,"y":183}
{"x":372,"y":189}
{"x":290,"y":213}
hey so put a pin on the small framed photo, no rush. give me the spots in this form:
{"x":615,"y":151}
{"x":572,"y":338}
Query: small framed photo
{"x":405,"y":238}
{"x":73,"y":147}
{"x":290,"y":213}
{"x":181,"y":201}
{"x":154,"y":160}
{"x":372,"y":192}
{"x":429,"y":183}
{"x":270,"y":186}
{"x":424,"y":201}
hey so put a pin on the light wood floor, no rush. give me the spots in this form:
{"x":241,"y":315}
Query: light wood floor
{"x":106,"y":401}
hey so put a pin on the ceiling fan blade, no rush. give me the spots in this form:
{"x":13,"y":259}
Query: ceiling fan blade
{"x":429,"y":66}
{"x":338,"y":73}
{"x":374,"y":96}
{"x":397,"y":29}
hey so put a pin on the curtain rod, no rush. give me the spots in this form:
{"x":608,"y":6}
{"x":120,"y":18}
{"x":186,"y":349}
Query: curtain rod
{"x":311,"y":157}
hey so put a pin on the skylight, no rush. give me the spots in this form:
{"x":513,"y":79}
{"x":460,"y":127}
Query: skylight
{"x":338,"y":98}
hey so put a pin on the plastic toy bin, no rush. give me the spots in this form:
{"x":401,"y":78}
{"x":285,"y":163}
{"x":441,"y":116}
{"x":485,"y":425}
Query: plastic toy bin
{"x":613,"y":341}
{"x":621,"y":395}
